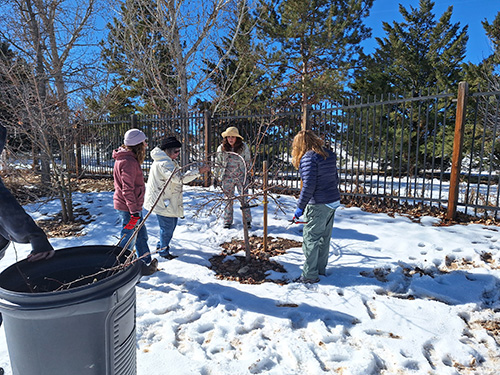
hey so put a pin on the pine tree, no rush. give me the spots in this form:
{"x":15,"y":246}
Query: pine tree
{"x":143,"y":74}
{"x":313,"y":44}
{"x":238,"y":81}
{"x":487,"y":72}
{"x":485,"y":76}
{"x":416,"y":54}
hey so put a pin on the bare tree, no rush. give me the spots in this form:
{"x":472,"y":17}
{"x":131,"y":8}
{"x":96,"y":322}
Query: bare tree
{"x":189,"y":30}
{"x":51,"y":39}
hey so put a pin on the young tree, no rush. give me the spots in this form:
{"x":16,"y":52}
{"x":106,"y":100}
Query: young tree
{"x":313,"y":44}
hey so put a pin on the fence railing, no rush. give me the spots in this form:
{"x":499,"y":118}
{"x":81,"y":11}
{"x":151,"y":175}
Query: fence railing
{"x":390,"y":147}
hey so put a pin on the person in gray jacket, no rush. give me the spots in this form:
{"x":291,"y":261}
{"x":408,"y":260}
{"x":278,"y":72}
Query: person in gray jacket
{"x":318,"y":200}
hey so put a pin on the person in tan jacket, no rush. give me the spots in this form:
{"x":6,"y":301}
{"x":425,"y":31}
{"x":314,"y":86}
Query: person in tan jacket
{"x":169,"y":206}
{"x":232,"y":171}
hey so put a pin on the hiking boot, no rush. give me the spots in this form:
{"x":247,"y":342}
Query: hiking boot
{"x":148,"y":270}
{"x":305,"y":280}
{"x":169,"y":256}
{"x":227,"y":225}
{"x":163,"y":252}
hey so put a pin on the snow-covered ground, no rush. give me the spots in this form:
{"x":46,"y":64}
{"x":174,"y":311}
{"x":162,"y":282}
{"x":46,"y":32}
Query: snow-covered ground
{"x":399,"y":297}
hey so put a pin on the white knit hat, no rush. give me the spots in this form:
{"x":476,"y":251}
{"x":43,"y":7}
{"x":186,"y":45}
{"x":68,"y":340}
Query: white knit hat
{"x":133,"y":137}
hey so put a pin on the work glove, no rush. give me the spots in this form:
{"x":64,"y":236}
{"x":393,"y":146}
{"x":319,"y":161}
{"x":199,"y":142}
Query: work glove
{"x":298,"y":212}
{"x":134,"y":218}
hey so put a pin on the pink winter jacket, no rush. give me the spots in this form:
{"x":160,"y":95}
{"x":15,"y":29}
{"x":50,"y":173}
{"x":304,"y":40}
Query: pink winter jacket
{"x":128,"y":181}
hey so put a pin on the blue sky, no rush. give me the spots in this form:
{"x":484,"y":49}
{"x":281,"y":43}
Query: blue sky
{"x":467,"y":12}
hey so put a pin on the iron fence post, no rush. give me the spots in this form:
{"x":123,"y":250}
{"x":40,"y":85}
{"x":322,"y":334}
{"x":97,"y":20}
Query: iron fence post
{"x":207,"y":124}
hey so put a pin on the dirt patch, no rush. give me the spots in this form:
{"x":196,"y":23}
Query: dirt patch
{"x":27,"y":188}
{"x":228,"y":266}
{"x":392,"y":207}
{"x":87,"y":185}
{"x":25,"y":185}
{"x":493,"y":328}
{"x":55,"y":227}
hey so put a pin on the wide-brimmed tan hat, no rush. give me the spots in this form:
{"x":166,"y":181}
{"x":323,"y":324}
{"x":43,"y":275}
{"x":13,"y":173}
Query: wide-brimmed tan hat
{"x":231,"y":132}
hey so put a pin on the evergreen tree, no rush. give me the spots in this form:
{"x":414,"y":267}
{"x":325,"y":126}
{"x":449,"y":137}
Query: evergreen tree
{"x":416,"y":54}
{"x":487,"y":72}
{"x":485,"y":77}
{"x":238,"y":81}
{"x":143,"y":74}
{"x":313,"y":45}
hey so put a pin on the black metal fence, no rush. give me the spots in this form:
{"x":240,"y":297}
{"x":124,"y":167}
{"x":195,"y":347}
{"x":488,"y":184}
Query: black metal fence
{"x":389,"y":147}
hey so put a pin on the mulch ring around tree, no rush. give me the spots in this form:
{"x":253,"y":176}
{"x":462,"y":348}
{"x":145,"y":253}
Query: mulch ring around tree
{"x":228,"y":266}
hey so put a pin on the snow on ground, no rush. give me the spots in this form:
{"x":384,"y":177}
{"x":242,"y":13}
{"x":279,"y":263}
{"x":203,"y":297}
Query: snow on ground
{"x":399,"y":297}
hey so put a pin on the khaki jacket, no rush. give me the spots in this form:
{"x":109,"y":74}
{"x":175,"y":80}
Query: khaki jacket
{"x":170,"y":203}
{"x":221,"y":160}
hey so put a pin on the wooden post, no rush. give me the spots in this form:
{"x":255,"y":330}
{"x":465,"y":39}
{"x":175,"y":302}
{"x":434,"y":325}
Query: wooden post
{"x":456,"y":163}
{"x":264,"y":188}
{"x":207,"y":124}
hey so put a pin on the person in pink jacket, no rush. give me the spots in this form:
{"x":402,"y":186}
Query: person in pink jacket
{"x":129,"y":195}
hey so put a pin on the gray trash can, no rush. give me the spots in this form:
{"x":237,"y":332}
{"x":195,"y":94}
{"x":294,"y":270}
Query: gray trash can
{"x":85,"y":328}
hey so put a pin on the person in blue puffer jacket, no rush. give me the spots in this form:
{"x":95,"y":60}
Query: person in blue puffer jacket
{"x":318,"y":200}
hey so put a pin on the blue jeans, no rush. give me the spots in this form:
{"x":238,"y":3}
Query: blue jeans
{"x":141,"y":240}
{"x":167,"y":227}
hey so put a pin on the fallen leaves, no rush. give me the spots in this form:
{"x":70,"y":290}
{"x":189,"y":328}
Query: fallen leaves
{"x":228,"y":266}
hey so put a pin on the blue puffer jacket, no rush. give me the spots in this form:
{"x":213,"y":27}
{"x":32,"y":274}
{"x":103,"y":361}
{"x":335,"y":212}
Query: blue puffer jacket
{"x":320,"y":179}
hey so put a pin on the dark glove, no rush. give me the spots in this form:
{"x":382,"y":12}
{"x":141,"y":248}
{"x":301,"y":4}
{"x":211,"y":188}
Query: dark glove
{"x":298,"y":212}
{"x":134,"y":218}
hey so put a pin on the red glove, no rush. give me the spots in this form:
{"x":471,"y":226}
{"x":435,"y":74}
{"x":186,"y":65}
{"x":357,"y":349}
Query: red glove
{"x":134,"y":218}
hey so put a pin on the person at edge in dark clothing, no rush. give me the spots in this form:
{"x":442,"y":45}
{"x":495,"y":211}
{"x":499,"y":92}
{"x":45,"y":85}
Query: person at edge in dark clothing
{"x":17,"y":226}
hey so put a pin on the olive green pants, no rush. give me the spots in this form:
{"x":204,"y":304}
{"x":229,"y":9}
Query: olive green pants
{"x":317,"y":234}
